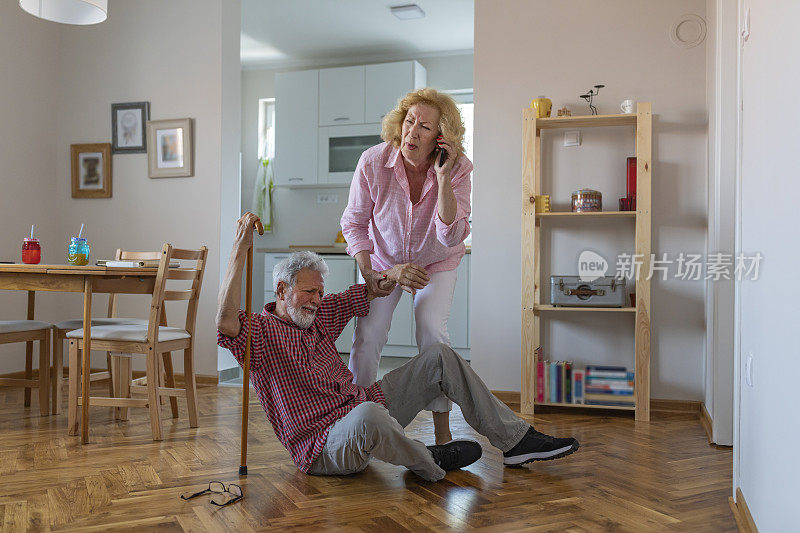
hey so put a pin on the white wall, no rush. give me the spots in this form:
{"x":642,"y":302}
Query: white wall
{"x":27,"y":149}
{"x":167,"y":53}
{"x":521,"y":53}
{"x":768,"y":466}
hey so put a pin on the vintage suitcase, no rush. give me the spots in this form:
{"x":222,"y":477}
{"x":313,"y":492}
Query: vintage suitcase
{"x":570,"y":291}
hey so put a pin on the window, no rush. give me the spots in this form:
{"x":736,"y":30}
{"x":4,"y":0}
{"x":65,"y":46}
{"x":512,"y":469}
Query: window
{"x":463,"y":98}
{"x":266,"y":128}
{"x":467,"y":113}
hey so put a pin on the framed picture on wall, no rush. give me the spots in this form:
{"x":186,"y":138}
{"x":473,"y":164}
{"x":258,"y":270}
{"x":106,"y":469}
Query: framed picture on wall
{"x":170,"y":146}
{"x":91,"y":170}
{"x":128,"y":127}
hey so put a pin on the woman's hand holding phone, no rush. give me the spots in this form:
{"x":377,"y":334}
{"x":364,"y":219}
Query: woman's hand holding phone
{"x":444,"y":161}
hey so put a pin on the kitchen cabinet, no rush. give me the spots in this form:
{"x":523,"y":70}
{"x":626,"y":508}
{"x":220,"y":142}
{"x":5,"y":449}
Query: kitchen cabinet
{"x":386,"y":83}
{"x":341,"y":96}
{"x":341,"y":275}
{"x":403,"y":329}
{"x":296,"y":127}
{"x":325,"y":118}
{"x":270,"y":260}
{"x":458,"y":324}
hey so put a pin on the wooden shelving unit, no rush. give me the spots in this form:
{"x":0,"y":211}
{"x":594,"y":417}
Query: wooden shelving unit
{"x":532,"y":306}
{"x":587,"y":406}
{"x":599,"y":214}
{"x":587,"y":309}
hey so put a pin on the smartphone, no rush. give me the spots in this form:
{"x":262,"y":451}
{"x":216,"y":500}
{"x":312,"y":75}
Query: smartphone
{"x":442,"y":156}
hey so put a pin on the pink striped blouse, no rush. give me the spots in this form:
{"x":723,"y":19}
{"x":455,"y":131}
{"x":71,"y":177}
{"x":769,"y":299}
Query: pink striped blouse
{"x":380,"y":217}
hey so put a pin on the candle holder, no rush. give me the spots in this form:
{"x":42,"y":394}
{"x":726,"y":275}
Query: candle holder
{"x":589,"y":96}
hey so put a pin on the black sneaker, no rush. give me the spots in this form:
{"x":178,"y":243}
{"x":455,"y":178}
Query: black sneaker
{"x":536,"y":446}
{"x":456,"y":454}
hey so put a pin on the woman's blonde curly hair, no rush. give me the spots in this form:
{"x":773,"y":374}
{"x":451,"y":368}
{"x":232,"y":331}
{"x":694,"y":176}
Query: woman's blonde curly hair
{"x":451,"y":125}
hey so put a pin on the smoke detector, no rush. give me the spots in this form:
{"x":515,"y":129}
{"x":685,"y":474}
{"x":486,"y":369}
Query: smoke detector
{"x":407,"y":12}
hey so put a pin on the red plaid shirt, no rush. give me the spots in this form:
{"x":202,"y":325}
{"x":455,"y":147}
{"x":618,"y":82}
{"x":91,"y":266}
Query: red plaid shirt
{"x":300,"y":378}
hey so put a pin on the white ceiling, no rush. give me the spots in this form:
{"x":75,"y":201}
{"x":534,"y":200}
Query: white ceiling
{"x":294,"y":33}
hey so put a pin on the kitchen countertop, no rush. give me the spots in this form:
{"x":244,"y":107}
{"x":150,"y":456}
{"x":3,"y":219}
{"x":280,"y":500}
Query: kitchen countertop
{"x":320,"y":249}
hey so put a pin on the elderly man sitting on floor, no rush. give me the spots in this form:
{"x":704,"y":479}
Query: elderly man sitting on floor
{"x":331,"y":426}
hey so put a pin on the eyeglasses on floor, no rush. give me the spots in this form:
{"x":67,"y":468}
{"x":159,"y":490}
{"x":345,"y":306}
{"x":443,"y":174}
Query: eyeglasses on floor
{"x":221,"y":495}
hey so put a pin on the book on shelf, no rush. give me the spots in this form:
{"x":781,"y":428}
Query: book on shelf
{"x":610,"y":380}
{"x":547,"y":387}
{"x":607,"y":372}
{"x":143,"y":263}
{"x":611,"y":383}
{"x":577,"y":385}
{"x":562,"y":382}
{"x":539,"y":376}
{"x":609,"y":402}
{"x":559,"y":382}
{"x":610,"y":392}
{"x":591,"y":387}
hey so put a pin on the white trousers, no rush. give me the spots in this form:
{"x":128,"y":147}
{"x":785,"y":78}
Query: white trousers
{"x":431,"y":311}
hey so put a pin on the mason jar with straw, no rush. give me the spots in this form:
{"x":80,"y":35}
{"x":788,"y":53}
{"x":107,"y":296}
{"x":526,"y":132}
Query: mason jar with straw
{"x":78,"y":251}
{"x":31,"y":251}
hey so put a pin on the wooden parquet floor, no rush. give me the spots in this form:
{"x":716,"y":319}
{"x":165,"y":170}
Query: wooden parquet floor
{"x":661,"y":476}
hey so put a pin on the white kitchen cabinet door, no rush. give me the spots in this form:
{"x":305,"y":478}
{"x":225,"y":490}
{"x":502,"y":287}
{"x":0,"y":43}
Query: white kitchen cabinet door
{"x":386,"y":83}
{"x":402,"y":329}
{"x":341,"y":275}
{"x":270,"y":260}
{"x":458,"y":323}
{"x":296,"y":127}
{"x":341,"y":96}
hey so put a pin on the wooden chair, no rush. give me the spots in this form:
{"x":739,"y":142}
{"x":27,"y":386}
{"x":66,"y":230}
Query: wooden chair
{"x":30,"y":331}
{"x":62,"y":328}
{"x":150,"y":340}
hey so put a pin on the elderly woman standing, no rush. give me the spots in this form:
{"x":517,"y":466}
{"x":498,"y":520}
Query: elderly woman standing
{"x":406,"y":220}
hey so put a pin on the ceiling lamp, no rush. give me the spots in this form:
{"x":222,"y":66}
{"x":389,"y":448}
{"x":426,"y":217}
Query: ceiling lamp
{"x":406,"y":12}
{"x":68,"y":11}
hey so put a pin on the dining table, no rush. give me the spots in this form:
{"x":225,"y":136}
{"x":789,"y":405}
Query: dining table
{"x":89,"y":280}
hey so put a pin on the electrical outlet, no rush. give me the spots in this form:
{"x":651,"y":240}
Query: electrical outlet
{"x":327,"y":198}
{"x":572,"y":138}
{"x":748,"y":370}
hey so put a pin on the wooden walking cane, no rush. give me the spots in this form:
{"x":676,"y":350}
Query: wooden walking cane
{"x":248,"y":303}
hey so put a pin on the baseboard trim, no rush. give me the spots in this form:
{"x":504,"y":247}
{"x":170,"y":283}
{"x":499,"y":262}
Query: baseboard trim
{"x":741,"y":513}
{"x":510,"y":398}
{"x":705,"y":420}
{"x":675,"y":406}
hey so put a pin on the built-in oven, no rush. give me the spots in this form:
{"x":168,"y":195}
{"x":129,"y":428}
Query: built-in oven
{"x":340,"y":148}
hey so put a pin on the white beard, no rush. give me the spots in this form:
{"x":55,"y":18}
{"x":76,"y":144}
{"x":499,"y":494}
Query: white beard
{"x":300,"y":316}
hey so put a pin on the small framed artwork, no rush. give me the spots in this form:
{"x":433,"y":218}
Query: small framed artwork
{"x":91,"y":170}
{"x":170,"y":145}
{"x":128,"y":127}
